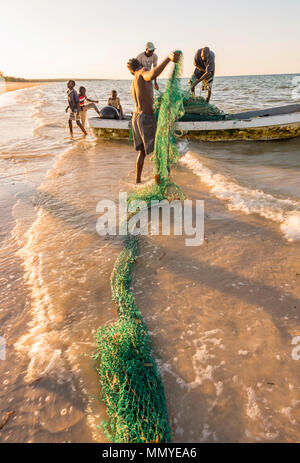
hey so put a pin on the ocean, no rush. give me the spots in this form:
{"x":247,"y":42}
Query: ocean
{"x":221,"y":317}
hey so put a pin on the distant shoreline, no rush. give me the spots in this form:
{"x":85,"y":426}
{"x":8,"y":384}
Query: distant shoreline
{"x":12,"y":86}
{"x":80,"y":79}
{"x":18,"y":85}
{"x":16,"y":80}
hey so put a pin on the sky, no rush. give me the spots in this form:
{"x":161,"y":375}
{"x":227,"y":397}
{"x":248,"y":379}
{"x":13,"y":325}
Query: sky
{"x":95,"y":38}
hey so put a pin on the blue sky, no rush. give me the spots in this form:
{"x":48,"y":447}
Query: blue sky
{"x":95,"y":38}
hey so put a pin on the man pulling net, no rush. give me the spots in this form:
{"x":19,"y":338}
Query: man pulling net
{"x":204,"y":62}
{"x":143,"y":119}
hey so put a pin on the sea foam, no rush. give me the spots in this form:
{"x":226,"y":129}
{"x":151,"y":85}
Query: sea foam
{"x":286,"y":212}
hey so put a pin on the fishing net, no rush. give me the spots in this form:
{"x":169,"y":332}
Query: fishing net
{"x":196,"y":109}
{"x":131,"y":386}
{"x":130,"y":383}
{"x":170,"y":110}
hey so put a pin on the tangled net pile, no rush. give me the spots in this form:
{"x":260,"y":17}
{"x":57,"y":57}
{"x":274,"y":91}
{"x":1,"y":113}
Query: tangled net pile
{"x":193,"y":108}
{"x":130,"y":383}
{"x":196,"y":109}
{"x":131,"y":386}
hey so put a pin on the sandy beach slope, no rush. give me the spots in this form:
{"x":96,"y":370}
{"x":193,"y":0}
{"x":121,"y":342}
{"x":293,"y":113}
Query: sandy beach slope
{"x":11,"y":86}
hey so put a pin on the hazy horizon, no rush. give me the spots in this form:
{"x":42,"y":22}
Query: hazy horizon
{"x":46,"y":40}
{"x":63,"y":79}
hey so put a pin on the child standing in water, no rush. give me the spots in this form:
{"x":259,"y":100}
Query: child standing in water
{"x":74,"y":107}
{"x":115,"y":102}
{"x":85,"y":107}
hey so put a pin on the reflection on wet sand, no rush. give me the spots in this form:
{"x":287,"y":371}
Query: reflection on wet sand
{"x":221,"y":316}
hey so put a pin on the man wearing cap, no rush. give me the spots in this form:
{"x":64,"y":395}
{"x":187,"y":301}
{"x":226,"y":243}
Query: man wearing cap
{"x":148,"y":59}
{"x":204,"y":61}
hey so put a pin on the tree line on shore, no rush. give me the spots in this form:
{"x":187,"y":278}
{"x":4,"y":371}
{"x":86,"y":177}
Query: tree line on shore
{"x":21,"y":79}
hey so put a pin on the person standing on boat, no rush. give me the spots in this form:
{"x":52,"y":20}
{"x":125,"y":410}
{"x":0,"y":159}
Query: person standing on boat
{"x":149,"y":59}
{"x":204,"y":61}
{"x":143,"y":119}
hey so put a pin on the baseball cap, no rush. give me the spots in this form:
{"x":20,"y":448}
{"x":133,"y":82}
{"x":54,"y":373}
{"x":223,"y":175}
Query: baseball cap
{"x":150,"y":46}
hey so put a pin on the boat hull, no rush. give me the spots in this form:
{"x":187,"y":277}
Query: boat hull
{"x":274,"y":132}
{"x":111,"y":134}
{"x":266,"y":127}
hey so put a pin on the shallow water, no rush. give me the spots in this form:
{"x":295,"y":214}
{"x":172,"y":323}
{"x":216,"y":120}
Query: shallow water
{"x":55,"y":273}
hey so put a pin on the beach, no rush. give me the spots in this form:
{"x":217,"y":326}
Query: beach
{"x":12,"y":86}
{"x":230,"y":315}
{"x":222,"y":316}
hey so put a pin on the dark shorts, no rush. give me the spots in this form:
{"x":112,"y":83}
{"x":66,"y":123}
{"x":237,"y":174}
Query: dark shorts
{"x":143,"y":131}
{"x":74,"y":116}
{"x":206,"y":84}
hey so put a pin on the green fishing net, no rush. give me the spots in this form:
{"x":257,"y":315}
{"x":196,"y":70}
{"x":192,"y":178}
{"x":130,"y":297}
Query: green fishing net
{"x":131,"y":386}
{"x":170,"y":110}
{"x":130,"y":383}
{"x":196,"y":109}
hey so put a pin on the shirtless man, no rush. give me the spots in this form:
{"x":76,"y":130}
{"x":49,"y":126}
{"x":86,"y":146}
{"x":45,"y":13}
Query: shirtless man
{"x":114,"y":101}
{"x":143,"y":119}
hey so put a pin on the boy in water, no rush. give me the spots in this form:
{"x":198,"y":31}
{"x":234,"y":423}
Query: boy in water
{"x":74,"y":106}
{"x":85,"y":107}
{"x":115,"y":102}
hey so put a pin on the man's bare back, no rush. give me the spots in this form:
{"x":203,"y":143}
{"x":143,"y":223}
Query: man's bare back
{"x":143,"y":120}
{"x":142,"y":93}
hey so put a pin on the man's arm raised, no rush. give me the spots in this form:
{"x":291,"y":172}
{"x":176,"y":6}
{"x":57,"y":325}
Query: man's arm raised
{"x":155,"y":72}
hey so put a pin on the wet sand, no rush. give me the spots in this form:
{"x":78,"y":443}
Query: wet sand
{"x":222,"y":317}
{"x":54,"y":396}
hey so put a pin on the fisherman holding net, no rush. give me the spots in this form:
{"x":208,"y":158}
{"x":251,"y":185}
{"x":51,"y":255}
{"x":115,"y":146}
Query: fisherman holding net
{"x":143,"y":119}
{"x":204,"y":62}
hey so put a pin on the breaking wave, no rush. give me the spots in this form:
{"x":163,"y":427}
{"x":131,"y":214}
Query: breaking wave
{"x":286,"y":212}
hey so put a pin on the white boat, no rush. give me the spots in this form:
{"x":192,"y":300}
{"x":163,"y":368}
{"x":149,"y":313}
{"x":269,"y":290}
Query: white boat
{"x":268,"y":124}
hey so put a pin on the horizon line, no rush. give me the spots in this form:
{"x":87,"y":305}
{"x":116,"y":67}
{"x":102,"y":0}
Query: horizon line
{"x":63,"y":79}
